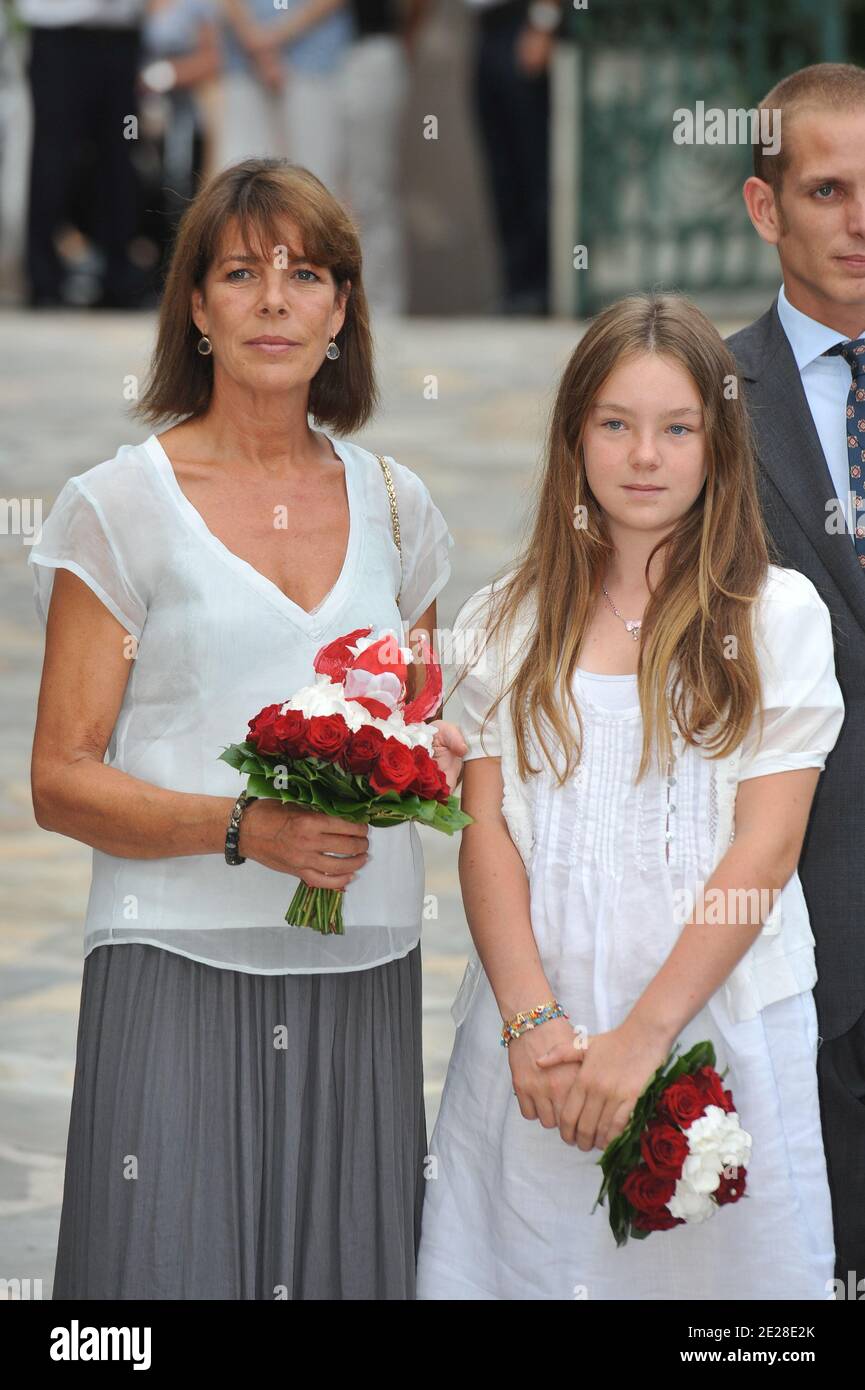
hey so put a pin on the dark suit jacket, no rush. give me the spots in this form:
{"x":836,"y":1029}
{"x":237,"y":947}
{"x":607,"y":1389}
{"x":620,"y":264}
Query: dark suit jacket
{"x":795,"y":485}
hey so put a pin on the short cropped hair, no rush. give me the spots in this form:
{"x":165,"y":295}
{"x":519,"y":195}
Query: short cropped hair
{"x":822,"y":86}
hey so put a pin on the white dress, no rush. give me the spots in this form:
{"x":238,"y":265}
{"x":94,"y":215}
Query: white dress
{"x":508,"y":1205}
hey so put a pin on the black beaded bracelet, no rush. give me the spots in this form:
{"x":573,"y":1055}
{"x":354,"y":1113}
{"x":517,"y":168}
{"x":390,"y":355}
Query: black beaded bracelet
{"x":232,"y":834}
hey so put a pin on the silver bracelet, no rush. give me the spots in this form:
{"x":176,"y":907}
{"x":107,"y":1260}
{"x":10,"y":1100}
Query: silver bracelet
{"x":232,"y":834}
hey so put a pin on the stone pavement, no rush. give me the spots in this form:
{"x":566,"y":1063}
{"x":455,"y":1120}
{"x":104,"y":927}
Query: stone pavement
{"x":464,"y":405}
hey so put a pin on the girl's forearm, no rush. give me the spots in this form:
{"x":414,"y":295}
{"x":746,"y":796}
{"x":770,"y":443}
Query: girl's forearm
{"x":745,"y":883}
{"x":495,"y":892}
{"x":123,"y":815}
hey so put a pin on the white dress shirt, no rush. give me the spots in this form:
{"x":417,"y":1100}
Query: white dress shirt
{"x":826,"y":383}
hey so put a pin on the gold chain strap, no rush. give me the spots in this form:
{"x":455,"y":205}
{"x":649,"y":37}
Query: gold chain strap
{"x":394,"y":514}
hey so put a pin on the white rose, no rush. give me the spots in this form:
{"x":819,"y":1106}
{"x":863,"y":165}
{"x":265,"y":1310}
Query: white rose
{"x":412,"y":735}
{"x":735,"y":1146}
{"x":325,"y":698}
{"x":691,"y":1206}
{"x":421,"y":735}
{"x":703,"y":1171}
{"x":703,"y":1135}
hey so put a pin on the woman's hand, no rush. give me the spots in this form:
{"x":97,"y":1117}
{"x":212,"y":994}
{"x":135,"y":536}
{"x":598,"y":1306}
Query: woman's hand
{"x":616,"y":1067}
{"x":542,"y":1092}
{"x":449,"y":746}
{"x":304,"y":843}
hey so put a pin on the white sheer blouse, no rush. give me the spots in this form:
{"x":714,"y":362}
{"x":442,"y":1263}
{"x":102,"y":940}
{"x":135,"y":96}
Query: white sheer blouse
{"x":217,"y":641}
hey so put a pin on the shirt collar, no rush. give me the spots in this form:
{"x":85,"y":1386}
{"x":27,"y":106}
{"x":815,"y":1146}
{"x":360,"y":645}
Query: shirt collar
{"x":808,"y":338}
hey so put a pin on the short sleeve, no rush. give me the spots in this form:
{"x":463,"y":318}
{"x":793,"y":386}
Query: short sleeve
{"x":473,"y":696}
{"x":76,"y":536}
{"x":804,"y":707}
{"x":426,"y":544}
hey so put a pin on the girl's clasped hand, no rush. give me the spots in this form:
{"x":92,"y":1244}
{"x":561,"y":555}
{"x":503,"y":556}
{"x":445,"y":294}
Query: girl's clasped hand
{"x":587,"y":1086}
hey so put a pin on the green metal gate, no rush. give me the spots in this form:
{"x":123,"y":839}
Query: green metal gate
{"x":651,"y":212}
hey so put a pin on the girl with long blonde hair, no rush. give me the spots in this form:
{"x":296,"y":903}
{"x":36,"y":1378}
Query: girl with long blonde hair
{"x":647,"y":711}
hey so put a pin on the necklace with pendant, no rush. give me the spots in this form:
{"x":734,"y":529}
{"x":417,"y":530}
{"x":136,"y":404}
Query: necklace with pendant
{"x":632,"y":624}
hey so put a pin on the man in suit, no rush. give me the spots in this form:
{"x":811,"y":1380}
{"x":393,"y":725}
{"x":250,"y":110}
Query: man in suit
{"x":800,"y":367}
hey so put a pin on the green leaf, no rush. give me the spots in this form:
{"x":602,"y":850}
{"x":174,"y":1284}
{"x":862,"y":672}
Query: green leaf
{"x":260,"y":786}
{"x":320,"y":798}
{"x":234,"y":755}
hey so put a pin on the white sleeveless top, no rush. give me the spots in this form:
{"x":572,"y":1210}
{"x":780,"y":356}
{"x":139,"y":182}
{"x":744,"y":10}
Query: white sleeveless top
{"x":217,"y":641}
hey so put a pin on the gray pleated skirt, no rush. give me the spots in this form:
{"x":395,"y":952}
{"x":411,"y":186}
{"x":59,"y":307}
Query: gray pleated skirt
{"x":206,"y":1162}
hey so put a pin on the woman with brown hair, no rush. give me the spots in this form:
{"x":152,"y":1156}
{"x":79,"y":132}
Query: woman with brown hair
{"x":636,"y":900}
{"x":247,"y":1115}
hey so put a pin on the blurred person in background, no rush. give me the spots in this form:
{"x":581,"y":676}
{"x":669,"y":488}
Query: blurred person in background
{"x":181,"y":50}
{"x":374,"y":92}
{"x":8,"y":84}
{"x":281,"y":97}
{"x":514,"y":45}
{"x":82,"y":69}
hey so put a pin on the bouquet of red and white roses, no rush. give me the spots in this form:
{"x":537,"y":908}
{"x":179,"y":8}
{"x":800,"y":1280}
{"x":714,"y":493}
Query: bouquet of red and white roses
{"x":350,"y":746}
{"x":682,"y":1155}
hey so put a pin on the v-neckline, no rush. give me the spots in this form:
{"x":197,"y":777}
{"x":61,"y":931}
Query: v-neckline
{"x":311,"y":619}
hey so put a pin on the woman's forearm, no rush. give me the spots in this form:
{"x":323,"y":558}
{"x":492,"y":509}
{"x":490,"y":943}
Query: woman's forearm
{"x":119,"y":814}
{"x":495,"y":892}
{"x":744,"y":886}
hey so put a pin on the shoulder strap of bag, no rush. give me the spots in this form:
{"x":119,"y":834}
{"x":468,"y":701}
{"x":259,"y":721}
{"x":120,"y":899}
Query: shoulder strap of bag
{"x":394,"y":513}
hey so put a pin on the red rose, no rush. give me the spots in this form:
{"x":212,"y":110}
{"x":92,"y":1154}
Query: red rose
{"x":394,"y":769}
{"x":327,"y":735}
{"x":656,"y":1221}
{"x":682,"y":1103}
{"x":647,"y":1192}
{"x":429,"y":778}
{"x":709,"y":1082}
{"x":261,"y":731}
{"x":664,"y":1149}
{"x":730,"y":1189}
{"x":290,"y":732}
{"x":362,"y":749}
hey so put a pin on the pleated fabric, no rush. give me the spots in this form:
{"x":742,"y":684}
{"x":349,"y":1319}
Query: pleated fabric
{"x":243,"y":1136}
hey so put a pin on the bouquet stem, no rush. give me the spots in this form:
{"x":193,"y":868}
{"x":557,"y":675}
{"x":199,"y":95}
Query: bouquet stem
{"x":319,"y":908}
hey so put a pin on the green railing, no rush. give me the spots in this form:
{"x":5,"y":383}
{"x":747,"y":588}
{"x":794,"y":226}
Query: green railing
{"x":649,"y":211}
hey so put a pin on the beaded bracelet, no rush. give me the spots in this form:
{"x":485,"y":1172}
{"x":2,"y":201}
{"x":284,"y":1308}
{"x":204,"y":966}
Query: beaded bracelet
{"x":521,"y":1023}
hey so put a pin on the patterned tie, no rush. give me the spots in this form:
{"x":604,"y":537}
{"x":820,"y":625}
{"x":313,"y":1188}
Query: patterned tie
{"x":853,"y":353}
